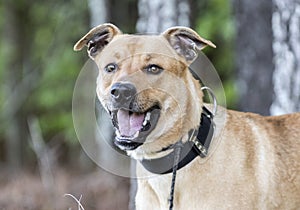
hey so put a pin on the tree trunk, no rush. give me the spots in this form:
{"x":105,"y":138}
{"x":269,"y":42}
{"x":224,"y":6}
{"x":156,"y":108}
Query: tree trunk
{"x":254,"y":55}
{"x":286,"y":47}
{"x":14,"y":44}
{"x":158,"y":15}
{"x":98,"y":11}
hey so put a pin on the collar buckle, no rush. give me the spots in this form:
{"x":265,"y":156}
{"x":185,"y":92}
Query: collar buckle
{"x":200,"y":147}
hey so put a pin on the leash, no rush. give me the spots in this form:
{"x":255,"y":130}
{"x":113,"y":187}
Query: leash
{"x":178,"y":147}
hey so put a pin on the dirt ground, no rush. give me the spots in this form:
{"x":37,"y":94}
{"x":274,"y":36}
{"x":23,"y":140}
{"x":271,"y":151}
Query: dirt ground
{"x":98,"y":190}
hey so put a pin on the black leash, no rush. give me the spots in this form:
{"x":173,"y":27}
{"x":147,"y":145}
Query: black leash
{"x":177,"y":151}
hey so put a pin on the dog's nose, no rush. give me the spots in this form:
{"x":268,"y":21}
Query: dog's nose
{"x":123,"y":93}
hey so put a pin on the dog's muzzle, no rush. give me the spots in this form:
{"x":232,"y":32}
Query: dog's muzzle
{"x":132,"y":124}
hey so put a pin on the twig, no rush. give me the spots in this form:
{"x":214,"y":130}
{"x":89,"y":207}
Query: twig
{"x":45,"y":156}
{"x":80,"y":207}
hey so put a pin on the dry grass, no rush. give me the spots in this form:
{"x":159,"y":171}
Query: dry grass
{"x":99,"y":190}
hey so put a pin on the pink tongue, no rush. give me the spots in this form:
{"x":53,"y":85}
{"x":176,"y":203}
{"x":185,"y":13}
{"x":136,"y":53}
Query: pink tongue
{"x":129,"y":124}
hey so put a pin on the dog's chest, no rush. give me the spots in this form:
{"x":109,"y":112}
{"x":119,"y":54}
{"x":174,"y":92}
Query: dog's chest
{"x":186,"y":190}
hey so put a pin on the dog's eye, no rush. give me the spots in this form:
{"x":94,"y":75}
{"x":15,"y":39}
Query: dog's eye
{"x":111,"y":67}
{"x":153,"y":69}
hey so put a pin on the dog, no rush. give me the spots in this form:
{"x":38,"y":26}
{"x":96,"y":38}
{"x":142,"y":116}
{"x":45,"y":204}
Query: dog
{"x":246,"y":161}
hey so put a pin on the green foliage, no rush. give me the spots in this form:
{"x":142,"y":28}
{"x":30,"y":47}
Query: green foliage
{"x":56,"y":30}
{"x":52,"y":27}
{"x":215,"y":22}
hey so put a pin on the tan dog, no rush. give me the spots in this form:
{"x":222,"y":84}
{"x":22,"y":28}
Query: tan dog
{"x":144,"y":83}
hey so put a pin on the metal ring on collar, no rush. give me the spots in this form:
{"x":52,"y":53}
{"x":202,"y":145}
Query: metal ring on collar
{"x":211,"y":93}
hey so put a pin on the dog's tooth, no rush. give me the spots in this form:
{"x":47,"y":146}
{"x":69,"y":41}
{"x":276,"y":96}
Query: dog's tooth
{"x":118,"y":133}
{"x":145,"y":122}
{"x":136,"y":134}
{"x":148,"y":116}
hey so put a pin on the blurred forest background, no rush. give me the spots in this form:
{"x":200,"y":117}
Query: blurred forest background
{"x":257,"y":58}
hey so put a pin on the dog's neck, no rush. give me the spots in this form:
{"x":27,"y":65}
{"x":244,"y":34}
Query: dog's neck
{"x":197,"y":145}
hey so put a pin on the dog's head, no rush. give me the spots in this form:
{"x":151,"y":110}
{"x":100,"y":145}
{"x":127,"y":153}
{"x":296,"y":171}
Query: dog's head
{"x":145,"y":85}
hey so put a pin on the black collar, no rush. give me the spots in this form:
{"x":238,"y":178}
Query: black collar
{"x":197,"y":145}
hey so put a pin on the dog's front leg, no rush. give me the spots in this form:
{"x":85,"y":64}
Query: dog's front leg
{"x":146,"y":197}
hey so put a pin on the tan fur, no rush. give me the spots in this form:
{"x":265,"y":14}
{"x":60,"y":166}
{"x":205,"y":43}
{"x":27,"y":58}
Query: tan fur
{"x":253,"y":162}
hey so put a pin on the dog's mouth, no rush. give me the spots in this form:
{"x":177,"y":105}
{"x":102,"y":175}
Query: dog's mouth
{"x":133,"y":127}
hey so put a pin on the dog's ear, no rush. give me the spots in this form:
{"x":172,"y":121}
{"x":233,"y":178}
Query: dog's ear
{"x":186,"y":42}
{"x":97,"y":38}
